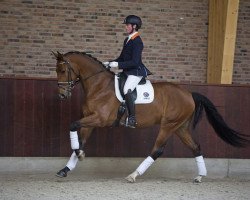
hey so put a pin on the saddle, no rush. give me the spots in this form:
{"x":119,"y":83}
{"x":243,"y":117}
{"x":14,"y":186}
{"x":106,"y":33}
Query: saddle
{"x":142,"y":94}
{"x":121,"y":82}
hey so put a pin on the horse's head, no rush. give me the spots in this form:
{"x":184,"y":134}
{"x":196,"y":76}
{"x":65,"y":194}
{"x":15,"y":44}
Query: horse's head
{"x":66,"y":75}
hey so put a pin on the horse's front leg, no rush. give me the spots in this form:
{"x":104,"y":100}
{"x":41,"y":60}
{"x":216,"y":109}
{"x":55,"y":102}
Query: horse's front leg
{"x":71,"y":164}
{"x":93,"y":120}
{"x":87,"y":122}
{"x":83,"y":137}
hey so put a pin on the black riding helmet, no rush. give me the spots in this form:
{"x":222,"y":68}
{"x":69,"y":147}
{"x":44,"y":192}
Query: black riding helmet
{"x":134,"y":20}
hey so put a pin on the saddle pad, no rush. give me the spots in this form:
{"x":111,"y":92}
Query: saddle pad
{"x":145,"y":93}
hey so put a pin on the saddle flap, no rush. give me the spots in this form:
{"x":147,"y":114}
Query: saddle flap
{"x":145,"y":92}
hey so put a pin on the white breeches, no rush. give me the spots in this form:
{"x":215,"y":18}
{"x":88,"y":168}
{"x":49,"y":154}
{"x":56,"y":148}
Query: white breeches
{"x":131,"y":83}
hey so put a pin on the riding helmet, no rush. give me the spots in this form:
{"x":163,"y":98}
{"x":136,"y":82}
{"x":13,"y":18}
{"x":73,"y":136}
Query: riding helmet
{"x":133,"y":19}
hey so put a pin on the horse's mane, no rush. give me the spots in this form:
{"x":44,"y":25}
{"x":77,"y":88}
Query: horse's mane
{"x":89,"y":55}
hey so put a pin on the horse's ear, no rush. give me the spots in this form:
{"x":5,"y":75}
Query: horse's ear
{"x":55,"y":54}
{"x":59,"y":56}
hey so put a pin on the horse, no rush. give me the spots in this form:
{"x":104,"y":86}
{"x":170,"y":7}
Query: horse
{"x":174,"y":109}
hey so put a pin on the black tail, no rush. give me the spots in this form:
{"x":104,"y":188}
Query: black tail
{"x":227,"y":134}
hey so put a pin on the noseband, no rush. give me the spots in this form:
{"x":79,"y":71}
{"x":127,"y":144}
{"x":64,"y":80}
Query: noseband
{"x":70,"y":83}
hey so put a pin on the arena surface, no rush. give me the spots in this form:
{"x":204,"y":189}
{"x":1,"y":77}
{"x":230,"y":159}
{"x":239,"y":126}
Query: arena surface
{"x":76,"y":186}
{"x":104,"y":178}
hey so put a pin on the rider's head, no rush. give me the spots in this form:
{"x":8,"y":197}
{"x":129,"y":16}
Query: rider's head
{"x":135,"y":22}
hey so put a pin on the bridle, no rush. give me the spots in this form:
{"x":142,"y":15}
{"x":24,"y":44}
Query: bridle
{"x":70,"y":83}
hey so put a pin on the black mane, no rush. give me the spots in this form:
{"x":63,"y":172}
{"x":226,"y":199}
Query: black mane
{"x":86,"y":54}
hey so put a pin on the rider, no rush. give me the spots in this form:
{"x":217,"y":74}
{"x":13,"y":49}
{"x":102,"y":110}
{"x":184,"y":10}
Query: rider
{"x":131,"y":63}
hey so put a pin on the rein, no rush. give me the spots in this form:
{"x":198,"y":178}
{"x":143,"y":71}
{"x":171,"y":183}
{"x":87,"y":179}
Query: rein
{"x":72,"y":83}
{"x":94,"y":74}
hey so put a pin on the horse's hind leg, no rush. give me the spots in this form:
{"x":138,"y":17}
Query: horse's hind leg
{"x":78,"y":154}
{"x":156,"y":152}
{"x":185,"y":136}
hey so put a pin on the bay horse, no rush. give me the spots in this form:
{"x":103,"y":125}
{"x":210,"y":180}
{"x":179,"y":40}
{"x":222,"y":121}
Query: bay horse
{"x":174,"y":109}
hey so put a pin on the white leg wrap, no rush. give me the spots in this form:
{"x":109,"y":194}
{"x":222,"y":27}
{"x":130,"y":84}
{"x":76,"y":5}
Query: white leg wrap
{"x":145,"y":165}
{"x":74,"y":140}
{"x":201,"y":166}
{"x":72,"y":161}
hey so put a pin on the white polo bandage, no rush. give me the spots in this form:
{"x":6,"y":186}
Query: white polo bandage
{"x":74,"y":140}
{"x":201,"y":166}
{"x":72,"y":161}
{"x":145,"y":165}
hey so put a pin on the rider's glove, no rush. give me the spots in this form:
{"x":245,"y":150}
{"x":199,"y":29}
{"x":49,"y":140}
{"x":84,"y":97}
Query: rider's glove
{"x":113,"y":64}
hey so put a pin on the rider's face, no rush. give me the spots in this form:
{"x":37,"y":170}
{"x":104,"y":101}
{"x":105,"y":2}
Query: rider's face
{"x":129,"y":28}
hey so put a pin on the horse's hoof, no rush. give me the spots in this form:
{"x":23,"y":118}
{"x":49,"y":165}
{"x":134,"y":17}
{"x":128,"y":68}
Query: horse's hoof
{"x":130,"y":179}
{"x":61,"y":174}
{"x":198,"y":179}
{"x":81,"y":155}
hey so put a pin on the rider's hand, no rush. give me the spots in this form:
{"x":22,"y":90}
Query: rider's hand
{"x":106,"y":64}
{"x":113,"y":64}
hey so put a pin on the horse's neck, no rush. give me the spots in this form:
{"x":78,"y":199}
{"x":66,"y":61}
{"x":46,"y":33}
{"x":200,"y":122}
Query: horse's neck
{"x":97,"y":83}
{"x":96,"y":79}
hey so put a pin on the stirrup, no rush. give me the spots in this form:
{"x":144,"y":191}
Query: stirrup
{"x":131,"y":122}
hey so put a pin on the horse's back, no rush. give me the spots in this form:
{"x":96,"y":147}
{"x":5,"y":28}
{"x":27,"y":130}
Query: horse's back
{"x":178,"y":101}
{"x":172,"y":90}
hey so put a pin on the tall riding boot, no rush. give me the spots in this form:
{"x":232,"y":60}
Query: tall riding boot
{"x":131,"y":110}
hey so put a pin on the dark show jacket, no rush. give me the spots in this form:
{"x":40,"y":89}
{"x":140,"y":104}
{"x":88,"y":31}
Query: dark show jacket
{"x":130,"y":59}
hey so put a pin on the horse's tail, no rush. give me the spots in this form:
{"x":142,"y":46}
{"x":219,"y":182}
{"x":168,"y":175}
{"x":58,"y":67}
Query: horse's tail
{"x":227,"y":134}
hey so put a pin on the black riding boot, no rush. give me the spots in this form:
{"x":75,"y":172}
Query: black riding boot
{"x":131,"y":110}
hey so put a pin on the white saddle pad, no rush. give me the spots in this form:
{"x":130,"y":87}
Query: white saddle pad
{"x":145,"y":93}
